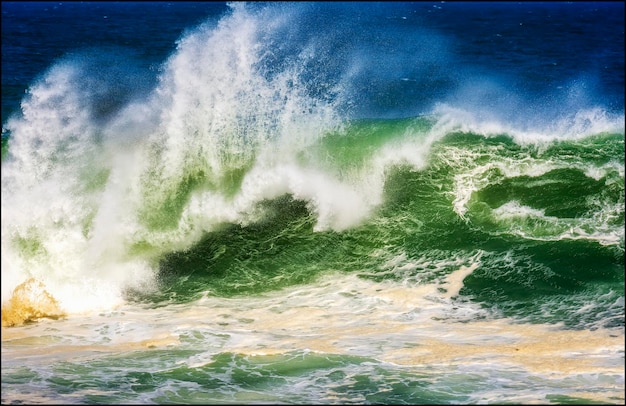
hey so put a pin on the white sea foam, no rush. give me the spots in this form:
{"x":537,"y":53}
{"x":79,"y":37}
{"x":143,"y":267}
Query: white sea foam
{"x":573,"y":125}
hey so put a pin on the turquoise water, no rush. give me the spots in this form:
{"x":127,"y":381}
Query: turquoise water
{"x":263,"y":223}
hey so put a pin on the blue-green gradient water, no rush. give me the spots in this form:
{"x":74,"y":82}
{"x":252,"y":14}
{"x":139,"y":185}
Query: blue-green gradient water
{"x":312,"y":203}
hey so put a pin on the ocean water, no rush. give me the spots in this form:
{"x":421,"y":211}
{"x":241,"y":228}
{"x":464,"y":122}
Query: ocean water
{"x":312,"y":203}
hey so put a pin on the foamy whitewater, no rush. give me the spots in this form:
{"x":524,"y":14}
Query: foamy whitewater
{"x":319,"y":203}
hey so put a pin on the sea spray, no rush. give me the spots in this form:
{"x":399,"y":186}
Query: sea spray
{"x":127,"y":179}
{"x":86,"y":183}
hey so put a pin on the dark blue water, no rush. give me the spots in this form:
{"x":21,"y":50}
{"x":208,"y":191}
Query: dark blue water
{"x":419,"y":53}
{"x":35,"y":34}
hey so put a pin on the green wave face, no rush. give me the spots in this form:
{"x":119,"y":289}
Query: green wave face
{"x":546,"y":219}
